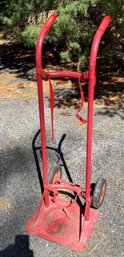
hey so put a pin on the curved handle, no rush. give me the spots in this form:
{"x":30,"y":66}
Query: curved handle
{"x":104,"y":24}
{"x":95,"y":44}
{"x":48,"y":24}
{"x":46,"y":27}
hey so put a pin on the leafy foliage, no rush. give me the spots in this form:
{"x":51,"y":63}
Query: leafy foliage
{"x":74,"y":29}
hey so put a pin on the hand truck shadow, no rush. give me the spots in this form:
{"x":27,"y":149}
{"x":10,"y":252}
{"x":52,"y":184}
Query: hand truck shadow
{"x":57,"y":150}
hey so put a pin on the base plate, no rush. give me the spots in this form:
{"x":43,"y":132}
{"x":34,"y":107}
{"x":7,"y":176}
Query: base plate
{"x":65,"y":226}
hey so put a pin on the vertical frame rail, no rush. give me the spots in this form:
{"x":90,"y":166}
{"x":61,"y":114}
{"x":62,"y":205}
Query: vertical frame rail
{"x":41,"y":74}
{"x":91,"y":84}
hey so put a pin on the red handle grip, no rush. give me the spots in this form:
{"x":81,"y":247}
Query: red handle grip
{"x":50,"y":21}
{"x":104,"y":24}
{"x":46,"y":27}
{"x":95,"y":44}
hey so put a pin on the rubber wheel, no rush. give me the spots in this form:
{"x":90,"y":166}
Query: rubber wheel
{"x":55,"y":174}
{"x":98,"y":193}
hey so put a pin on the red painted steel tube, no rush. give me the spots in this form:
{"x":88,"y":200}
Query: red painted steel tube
{"x":92,"y":80}
{"x":39,"y":71}
{"x":43,"y":137}
{"x":68,"y":74}
{"x":91,"y":75}
{"x":46,"y":27}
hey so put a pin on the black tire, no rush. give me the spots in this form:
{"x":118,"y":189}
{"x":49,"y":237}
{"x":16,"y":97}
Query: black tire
{"x":56,"y":172}
{"x":98,"y":193}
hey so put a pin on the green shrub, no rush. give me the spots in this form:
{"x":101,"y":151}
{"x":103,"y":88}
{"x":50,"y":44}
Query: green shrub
{"x":73,"y":31}
{"x":29,"y":35}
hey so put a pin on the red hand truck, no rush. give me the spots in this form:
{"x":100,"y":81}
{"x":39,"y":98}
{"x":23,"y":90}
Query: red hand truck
{"x":61,"y":216}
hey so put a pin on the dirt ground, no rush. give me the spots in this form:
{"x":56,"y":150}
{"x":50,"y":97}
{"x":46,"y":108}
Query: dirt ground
{"x":17,"y":76}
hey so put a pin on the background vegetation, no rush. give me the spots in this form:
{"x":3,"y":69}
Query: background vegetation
{"x":74,"y":29}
